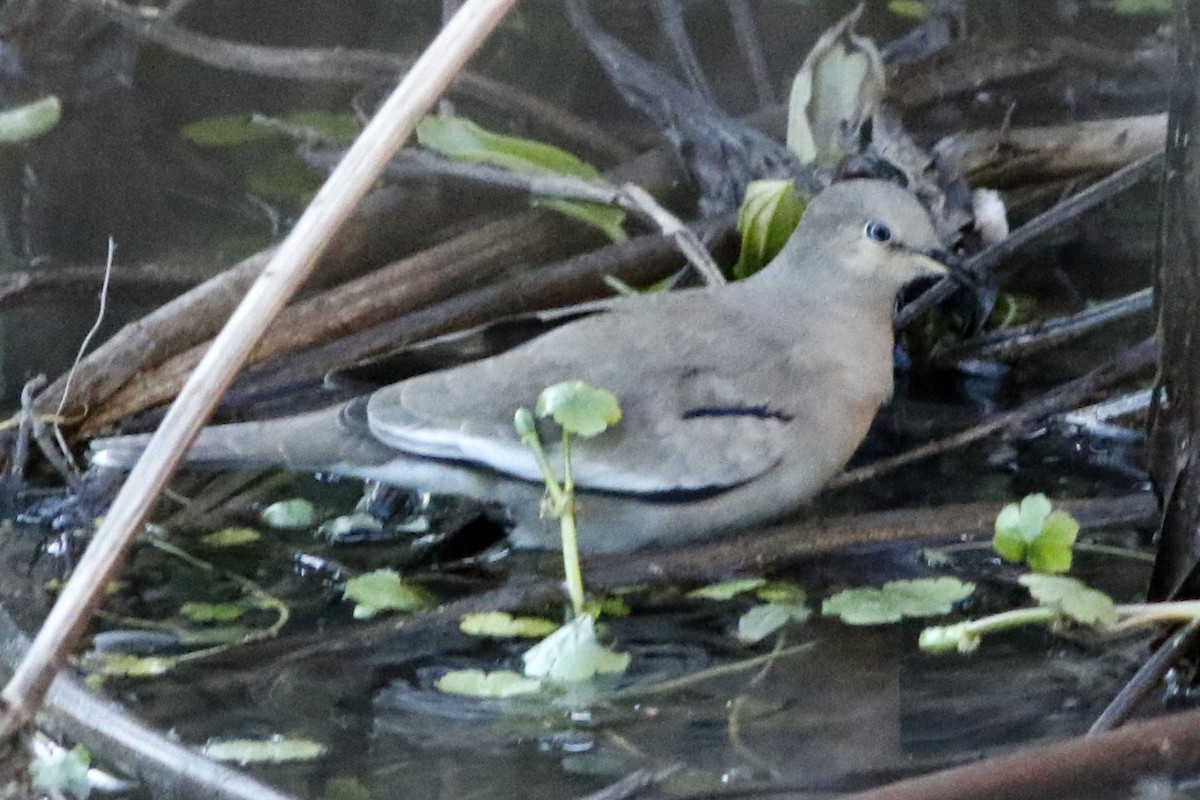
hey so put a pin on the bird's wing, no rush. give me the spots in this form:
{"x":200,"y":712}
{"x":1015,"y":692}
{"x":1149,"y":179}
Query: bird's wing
{"x":693,"y":420}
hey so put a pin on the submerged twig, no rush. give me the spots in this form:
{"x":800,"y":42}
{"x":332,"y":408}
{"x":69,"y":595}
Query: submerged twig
{"x":1012,"y":343}
{"x":1146,"y":678}
{"x":634,"y":782}
{"x":1078,"y":767}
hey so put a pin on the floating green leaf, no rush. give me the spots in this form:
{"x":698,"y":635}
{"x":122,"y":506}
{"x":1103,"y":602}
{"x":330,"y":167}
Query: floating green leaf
{"x":231,"y":537}
{"x":296,"y":513}
{"x":608,"y":219}
{"x":767,"y":217}
{"x":461,"y":139}
{"x":895,"y":600}
{"x":496,"y":685}
{"x":500,"y":624}
{"x":1071,"y":598}
{"x":572,"y":654}
{"x":345,"y":789}
{"x":275,"y":750}
{"x":580,"y":408}
{"x":1032,"y":532}
{"x":782,"y":592}
{"x":383,"y":590}
{"x":211,"y":612}
{"x":1142,"y":6}
{"x":29,"y":121}
{"x":727,"y":589}
{"x":327,"y":125}
{"x":228,"y":131}
{"x":60,"y":771}
{"x":232,"y":130}
{"x":123,"y":665}
{"x":286,"y":178}
{"x":913,"y":9}
{"x":761,"y":621}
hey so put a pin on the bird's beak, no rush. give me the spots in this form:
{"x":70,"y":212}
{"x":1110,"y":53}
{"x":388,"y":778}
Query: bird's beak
{"x":932,"y":263}
{"x":948,"y":265}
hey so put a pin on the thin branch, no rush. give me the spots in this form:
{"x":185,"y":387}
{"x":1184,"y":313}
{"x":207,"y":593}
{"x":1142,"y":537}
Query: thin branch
{"x":635,"y":197}
{"x":145,"y":283}
{"x":979,"y":264}
{"x":629,"y":196}
{"x":751,"y":47}
{"x":66,"y":392}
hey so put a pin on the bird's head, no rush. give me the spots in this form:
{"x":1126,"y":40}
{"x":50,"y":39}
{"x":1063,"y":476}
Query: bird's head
{"x":871,"y":231}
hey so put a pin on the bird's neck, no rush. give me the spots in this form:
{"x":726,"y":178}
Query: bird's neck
{"x":825,"y":293}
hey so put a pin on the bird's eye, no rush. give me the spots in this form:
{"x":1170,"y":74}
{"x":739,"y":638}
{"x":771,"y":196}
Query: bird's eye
{"x":877,"y":231}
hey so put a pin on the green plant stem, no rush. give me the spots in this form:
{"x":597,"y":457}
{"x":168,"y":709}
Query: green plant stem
{"x":555,"y":491}
{"x":562,"y":498}
{"x":570,"y":539}
{"x":1010,"y":619}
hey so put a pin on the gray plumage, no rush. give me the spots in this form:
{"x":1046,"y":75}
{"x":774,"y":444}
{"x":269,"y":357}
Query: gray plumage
{"x":739,"y":403}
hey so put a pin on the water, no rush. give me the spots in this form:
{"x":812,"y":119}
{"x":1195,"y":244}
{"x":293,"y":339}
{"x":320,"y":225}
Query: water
{"x":853,"y":706}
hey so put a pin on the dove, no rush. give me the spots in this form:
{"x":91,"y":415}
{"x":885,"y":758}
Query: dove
{"x":739,"y":402}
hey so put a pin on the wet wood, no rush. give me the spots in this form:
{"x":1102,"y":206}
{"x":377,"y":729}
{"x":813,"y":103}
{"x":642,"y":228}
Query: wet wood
{"x":382,"y":223}
{"x":427,"y":277}
{"x":639,"y":261}
{"x":1011,"y":157}
{"x":143,"y":283}
{"x":1175,"y":408}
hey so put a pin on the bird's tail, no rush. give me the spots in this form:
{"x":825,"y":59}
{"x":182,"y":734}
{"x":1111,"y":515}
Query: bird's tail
{"x":317,"y":440}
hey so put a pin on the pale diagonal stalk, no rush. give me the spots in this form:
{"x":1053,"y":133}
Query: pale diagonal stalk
{"x":283,"y":275}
